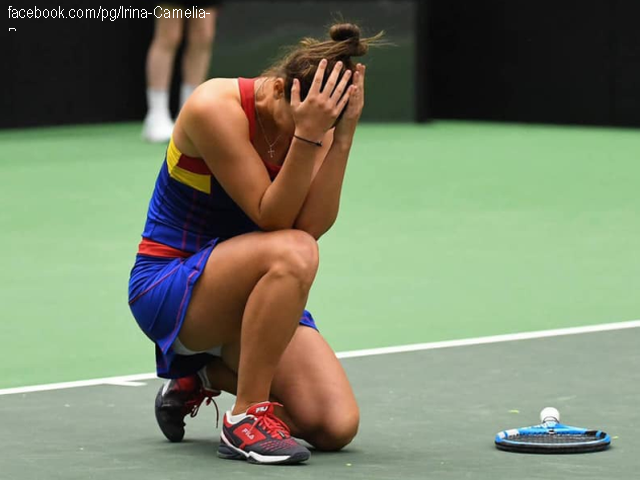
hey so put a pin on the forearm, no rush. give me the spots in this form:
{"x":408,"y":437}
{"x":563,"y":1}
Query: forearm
{"x":283,"y":200}
{"x":320,"y":208}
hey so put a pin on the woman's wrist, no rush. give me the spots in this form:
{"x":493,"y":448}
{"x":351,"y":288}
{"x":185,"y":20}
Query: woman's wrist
{"x":308,"y":141}
{"x":342,"y":142}
{"x":344,"y":136}
{"x":312,"y":137}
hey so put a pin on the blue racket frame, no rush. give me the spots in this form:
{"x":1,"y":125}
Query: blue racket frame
{"x":551,"y":437}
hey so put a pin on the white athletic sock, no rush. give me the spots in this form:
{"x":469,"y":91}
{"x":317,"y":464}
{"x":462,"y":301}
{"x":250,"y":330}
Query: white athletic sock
{"x":235,"y":418}
{"x":185,"y":92}
{"x":158,"y":102}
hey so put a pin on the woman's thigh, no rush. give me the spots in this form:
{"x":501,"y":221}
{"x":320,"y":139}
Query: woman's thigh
{"x":214,"y":313}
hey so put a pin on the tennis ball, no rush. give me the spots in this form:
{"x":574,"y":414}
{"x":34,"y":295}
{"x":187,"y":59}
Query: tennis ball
{"x":549,"y":414}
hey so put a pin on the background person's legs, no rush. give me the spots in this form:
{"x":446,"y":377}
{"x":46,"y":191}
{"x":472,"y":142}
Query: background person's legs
{"x":167,"y":37}
{"x":197,"y":53}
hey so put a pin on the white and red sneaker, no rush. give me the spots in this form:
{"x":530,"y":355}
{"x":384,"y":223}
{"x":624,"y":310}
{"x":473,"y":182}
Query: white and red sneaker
{"x":260,"y":437}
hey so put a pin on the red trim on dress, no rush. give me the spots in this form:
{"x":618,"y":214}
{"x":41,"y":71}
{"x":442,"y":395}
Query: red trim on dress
{"x":154,"y":249}
{"x":193,"y":164}
{"x":247,"y":99}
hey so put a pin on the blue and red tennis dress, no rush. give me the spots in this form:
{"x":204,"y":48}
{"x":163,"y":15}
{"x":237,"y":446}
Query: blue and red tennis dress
{"x":189,"y":213}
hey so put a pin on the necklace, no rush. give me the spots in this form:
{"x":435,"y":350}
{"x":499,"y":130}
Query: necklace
{"x":271,"y":151}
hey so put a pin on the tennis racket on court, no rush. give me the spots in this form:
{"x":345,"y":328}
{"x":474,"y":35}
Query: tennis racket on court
{"x":551,"y":436}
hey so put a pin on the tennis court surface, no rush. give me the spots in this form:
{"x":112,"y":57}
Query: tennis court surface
{"x":425,"y":414}
{"x":447,"y":231}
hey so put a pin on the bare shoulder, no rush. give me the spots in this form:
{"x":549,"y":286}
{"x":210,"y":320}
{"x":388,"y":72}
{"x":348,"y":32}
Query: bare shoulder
{"x":213,"y":92}
{"x":214,"y":110}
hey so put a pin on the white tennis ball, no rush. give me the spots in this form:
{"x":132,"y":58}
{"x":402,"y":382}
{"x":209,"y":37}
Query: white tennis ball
{"x":550,"y":414}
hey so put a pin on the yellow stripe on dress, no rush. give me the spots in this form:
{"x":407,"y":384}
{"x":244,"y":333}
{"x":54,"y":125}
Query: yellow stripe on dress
{"x":194,"y":180}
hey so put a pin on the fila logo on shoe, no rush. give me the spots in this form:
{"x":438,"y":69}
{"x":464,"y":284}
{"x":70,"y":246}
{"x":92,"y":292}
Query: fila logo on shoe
{"x":248,"y":434}
{"x":261,"y":409}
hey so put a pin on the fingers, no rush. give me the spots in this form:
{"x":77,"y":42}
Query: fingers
{"x":352,"y":90}
{"x":317,"y":79}
{"x":332,"y":80}
{"x":295,"y":93}
{"x":339,"y":90}
{"x":361,"y":69}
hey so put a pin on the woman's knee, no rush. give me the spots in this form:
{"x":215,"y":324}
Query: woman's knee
{"x":335,"y":433}
{"x":295,"y":254}
{"x":201,"y":33}
{"x":168,"y":34}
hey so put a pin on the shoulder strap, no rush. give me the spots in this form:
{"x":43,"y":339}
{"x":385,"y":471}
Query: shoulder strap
{"x":247,"y":99}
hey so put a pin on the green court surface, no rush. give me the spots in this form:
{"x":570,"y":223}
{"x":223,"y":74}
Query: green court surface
{"x":449,"y":230}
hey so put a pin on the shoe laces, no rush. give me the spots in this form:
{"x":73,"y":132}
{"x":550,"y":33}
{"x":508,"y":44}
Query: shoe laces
{"x":272,"y":424}
{"x":193,"y":406}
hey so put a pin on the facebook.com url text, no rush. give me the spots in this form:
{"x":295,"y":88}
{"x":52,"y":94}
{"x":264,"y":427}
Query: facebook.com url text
{"x":105,"y":14}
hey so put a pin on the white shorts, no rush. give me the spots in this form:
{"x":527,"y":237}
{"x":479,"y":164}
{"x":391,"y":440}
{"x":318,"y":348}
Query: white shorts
{"x":180,"y":349}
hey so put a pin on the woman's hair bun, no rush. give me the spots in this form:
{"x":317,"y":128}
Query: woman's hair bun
{"x":344,"y":31}
{"x":349,"y":33}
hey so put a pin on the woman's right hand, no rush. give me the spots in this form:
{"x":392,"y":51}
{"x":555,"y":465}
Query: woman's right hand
{"x":320,"y":110}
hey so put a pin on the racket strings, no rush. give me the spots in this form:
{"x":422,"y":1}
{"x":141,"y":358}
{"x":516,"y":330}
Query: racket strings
{"x":556,"y":439}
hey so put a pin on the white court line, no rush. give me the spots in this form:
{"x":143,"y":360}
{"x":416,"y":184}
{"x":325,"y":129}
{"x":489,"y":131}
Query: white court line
{"x":509,"y":337}
{"x":80,"y":383}
{"x":128,"y":383}
{"x":133,"y":380}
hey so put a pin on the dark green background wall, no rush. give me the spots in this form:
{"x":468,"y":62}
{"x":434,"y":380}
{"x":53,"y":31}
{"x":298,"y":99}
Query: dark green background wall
{"x":251,"y":34}
{"x":543,"y":61}
{"x":88,"y":71}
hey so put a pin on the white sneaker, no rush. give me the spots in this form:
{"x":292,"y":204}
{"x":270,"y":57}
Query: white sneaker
{"x":157,"y":128}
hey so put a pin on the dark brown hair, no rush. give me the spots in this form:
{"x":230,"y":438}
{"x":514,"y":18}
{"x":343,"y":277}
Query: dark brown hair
{"x":302,"y":61}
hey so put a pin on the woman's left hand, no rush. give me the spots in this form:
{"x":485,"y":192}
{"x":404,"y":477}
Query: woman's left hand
{"x":346,"y":127}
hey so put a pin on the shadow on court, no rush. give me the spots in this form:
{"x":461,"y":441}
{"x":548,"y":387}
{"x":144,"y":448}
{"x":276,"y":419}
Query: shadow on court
{"x":427,"y":414}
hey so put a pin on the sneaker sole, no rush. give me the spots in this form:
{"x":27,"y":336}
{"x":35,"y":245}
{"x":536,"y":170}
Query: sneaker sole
{"x":173,"y":433}
{"x":229,"y":452}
